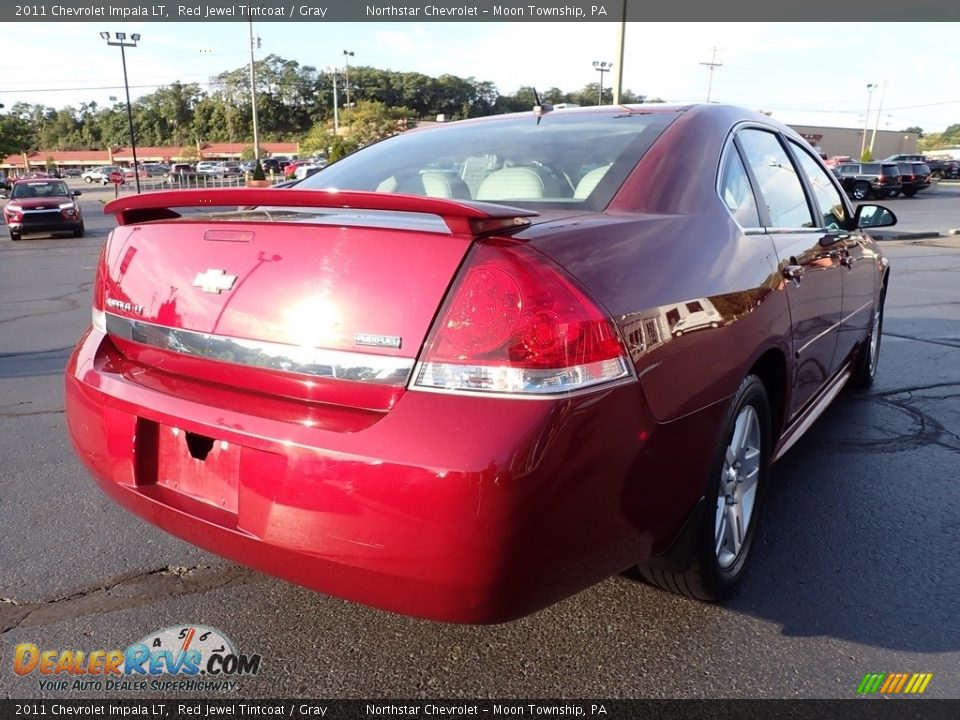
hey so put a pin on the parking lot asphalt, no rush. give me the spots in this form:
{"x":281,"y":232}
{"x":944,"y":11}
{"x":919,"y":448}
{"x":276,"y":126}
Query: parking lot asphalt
{"x":856,"y":569}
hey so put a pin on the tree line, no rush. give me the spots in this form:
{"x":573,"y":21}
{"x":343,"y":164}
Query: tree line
{"x":294,"y":103}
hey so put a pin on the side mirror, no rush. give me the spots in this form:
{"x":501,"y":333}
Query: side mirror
{"x":873,"y":216}
{"x":77,"y":192}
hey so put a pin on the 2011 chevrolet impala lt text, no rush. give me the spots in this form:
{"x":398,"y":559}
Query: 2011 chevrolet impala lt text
{"x":469,"y":371}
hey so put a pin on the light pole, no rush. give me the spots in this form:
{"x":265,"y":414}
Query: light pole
{"x":601,"y":67}
{"x":866,"y":123}
{"x":121,"y":42}
{"x":876,"y":126}
{"x":253,"y":99}
{"x":332,"y":72}
{"x":347,"y":54}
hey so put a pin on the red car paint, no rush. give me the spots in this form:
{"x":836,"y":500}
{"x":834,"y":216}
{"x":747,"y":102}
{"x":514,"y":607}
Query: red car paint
{"x":461,"y":506}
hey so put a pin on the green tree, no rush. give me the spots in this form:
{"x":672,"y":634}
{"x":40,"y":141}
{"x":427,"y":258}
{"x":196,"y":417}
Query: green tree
{"x":16,"y":135}
{"x":248,"y":153}
{"x":369,"y":121}
{"x":189,"y":153}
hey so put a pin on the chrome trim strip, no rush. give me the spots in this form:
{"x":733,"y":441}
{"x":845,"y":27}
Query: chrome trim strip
{"x":803,"y":423}
{"x":860,"y":309}
{"x":316,"y":362}
{"x":812,"y":340}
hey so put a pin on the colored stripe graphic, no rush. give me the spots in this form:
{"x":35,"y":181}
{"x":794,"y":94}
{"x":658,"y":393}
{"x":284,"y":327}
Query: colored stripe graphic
{"x":918,"y":683}
{"x":894,"y":683}
{"x":870,"y":683}
{"x":899,"y":686}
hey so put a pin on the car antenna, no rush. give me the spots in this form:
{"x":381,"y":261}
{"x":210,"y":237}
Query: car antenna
{"x":541,"y":108}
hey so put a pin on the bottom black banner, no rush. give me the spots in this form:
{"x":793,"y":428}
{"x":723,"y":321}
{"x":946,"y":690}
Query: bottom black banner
{"x":861,"y":709}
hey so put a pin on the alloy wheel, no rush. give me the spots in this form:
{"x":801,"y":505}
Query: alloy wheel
{"x":738,"y":487}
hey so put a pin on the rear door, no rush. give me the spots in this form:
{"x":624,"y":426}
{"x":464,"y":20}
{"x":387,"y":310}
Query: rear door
{"x":811,"y":273}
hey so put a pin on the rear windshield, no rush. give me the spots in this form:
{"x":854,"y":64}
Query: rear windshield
{"x":891,"y":170}
{"x":555,"y":161}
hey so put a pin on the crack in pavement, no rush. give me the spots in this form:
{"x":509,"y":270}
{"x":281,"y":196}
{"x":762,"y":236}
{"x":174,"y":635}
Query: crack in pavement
{"x":31,"y":414}
{"x":923,"y":340}
{"x":71,"y":304}
{"x":124,"y":592}
{"x":926,"y":429}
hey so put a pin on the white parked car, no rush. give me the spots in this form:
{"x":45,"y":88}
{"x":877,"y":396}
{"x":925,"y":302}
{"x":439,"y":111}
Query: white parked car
{"x":100,"y":174}
{"x":308,"y":169}
{"x":208,"y":167}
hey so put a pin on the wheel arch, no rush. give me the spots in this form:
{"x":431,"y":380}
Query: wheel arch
{"x":771,"y":368}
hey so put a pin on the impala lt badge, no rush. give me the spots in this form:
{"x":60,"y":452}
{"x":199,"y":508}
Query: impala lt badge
{"x":125,"y":306}
{"x":214,"y":281}
{"x":384,"y":341}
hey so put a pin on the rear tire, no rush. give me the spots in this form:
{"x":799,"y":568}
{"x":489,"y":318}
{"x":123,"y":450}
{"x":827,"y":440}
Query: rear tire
{"x":910,"y":193}
{"x":78,"y":232}
{"x":734,"y":498}
{"x":14,"y":235}
{"x":865,"y":366}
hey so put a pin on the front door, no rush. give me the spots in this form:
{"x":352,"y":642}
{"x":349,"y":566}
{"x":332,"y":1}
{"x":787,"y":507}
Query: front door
{"x":812,"y":274}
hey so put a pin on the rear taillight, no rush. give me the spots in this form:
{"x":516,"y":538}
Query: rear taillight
{"x":516,"y":323}
{"x":99,"y":319}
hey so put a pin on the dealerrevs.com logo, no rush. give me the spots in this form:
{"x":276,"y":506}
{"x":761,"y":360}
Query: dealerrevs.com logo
{"x":184,"y":658}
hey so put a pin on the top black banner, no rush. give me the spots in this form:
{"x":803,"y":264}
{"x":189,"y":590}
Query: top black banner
{"x":820,"y":11}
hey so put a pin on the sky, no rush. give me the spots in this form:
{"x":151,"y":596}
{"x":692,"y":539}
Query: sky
{"x":804,"y":73}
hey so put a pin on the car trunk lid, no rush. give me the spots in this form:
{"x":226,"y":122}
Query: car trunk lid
{"x":311,"y":295}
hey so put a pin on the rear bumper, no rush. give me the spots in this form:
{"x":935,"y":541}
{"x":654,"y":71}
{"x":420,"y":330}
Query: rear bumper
{"x":471,"y":510}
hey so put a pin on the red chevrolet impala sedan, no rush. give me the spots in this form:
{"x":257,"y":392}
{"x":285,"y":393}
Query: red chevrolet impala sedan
{"x":471,"y":370}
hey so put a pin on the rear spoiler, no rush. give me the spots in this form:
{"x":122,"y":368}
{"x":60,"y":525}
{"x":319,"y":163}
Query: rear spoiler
{"x":463,"y":218}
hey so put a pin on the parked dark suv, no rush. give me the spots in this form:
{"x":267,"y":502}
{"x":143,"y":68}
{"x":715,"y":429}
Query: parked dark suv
{"x":860,"y":180}
{"x":914,"y":177}
{"x":937,"y":167}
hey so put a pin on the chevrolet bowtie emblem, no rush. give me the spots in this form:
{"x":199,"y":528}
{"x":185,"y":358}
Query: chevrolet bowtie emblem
{"x":214,"y":281}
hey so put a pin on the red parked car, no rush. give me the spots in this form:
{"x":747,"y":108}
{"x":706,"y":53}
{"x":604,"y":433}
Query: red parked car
{"x":42,"y":206}
{"x":469,"y":371}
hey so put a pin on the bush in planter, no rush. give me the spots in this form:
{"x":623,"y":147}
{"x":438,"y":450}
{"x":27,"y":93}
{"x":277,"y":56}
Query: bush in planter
{"x":258,"y":173}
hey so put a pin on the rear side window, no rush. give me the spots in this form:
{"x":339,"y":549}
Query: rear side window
{"x":736,"y":191}
{"x":779,"y":185}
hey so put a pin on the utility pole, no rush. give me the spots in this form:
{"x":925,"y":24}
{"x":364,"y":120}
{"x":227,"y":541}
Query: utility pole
{"x":253,"y":100}
{"x":712,"y":65}
{"x":618,"y":81}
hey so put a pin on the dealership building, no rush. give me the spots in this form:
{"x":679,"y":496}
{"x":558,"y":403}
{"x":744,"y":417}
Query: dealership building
{"x":832,"y":141}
